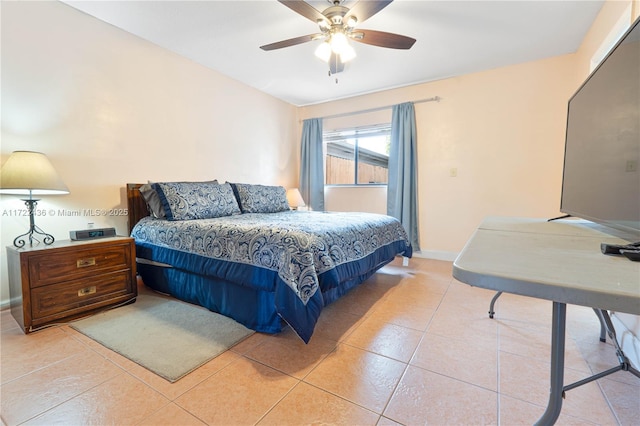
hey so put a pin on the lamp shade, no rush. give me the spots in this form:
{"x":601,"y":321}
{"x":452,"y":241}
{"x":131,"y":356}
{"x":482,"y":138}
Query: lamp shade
{"x":294,"y":198}
{"x":28,"y":172}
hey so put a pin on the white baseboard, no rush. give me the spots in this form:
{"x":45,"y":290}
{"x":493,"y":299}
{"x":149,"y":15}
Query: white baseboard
{"x":436,"y":255}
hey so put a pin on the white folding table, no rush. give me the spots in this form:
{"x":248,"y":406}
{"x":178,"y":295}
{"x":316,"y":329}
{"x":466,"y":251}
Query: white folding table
{"x":558,"y":261}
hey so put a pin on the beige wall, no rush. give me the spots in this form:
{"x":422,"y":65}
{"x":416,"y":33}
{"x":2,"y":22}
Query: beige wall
{"x":109,"y":108}
{"x":501,"y":130}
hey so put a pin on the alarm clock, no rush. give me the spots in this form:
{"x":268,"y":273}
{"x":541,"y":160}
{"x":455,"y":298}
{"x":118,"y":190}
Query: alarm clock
{"x":89,"y":234}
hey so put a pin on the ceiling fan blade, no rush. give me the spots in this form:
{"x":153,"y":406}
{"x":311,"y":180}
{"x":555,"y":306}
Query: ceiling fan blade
{"x":364,"y":10}
{"x":291,"y":42}
{"x":382,"y":39}
{"x":335,"y":64}
{"x":306,"y":10}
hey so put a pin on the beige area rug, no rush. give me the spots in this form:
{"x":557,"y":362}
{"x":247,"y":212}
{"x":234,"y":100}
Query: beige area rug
{"x":166,"y":336}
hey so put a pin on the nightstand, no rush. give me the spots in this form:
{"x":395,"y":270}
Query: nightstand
{"x":65,"y":280}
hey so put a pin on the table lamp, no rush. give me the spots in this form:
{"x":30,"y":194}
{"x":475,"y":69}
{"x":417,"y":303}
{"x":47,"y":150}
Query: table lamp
{"x":30,"y":173}
{"x":295,"y":198}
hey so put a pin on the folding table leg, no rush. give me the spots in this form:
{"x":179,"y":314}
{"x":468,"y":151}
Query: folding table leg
{"x":554,"y":405}
{"x":493,"y":302}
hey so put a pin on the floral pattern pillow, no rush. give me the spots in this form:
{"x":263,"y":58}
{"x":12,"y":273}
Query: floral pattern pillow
{"x":261,"y":198}
{"x":196,"y":200}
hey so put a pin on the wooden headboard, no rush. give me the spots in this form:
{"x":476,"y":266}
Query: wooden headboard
{"x":136,"y":205}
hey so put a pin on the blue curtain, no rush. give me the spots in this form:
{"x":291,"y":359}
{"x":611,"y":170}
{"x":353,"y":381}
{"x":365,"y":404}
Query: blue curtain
{"x":312,"y":164}
{"x":402,"y":188}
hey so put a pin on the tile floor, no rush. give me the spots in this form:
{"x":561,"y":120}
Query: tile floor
{"x":411,"y":346}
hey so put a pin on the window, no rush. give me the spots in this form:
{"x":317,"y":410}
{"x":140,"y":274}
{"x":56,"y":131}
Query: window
{"x":357,"y":156}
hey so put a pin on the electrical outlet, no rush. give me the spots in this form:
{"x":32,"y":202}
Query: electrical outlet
{"x":632,"y":166}
{"x":453,"y":172}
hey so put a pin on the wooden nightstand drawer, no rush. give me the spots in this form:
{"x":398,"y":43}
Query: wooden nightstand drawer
{"x":70,"y":296}
{"x":55,"y":283}
{"x":71,"y":264}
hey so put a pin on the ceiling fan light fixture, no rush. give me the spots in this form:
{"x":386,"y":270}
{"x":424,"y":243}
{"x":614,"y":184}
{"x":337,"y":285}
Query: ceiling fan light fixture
{"x":338,"y":42}
{"x":351,"y":23}
{"x":323,"y":51}
{"x":347,"y":54}
{"x":324,"y":25}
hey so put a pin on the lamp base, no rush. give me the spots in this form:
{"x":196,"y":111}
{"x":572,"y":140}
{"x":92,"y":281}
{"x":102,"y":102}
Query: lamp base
{"x":19,"y":241}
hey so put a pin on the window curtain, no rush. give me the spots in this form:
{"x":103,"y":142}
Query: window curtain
{"x":402,"y":190}
{"x":312,"y":164}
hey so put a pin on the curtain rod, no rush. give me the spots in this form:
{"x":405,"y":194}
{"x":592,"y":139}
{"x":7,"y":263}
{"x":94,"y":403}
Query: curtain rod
{"x":364,"y":111}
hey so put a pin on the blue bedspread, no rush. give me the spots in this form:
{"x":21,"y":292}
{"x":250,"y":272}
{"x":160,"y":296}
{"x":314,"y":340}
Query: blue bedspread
{"x":296,"y":255}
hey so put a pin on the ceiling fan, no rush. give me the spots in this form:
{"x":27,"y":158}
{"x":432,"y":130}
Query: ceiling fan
{"x":337,"y":26}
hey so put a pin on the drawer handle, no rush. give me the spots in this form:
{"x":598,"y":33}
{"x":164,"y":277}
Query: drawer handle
{"x":87,"y":290}
{"x":83,"y":263}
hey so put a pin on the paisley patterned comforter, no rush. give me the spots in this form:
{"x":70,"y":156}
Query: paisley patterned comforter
{"x":304,"y":251}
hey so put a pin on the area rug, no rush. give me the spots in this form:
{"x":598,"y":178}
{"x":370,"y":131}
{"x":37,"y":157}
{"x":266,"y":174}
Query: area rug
{"x":166,"y":336}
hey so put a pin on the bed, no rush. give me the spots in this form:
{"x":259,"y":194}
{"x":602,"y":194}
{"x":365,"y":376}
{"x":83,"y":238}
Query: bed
{"x":237,"y":249}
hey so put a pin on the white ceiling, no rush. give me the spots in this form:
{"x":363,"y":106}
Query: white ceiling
{"x":453,"y":38}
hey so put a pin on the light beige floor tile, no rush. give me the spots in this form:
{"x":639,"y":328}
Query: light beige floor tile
{"x":308,"y":405}
{"x":40,"y":371}
{"x":385,"y":280}
{"x":419,"y":291}
{"x":532,"y":342}
{"x":435,"y":268}
{"x":173,"y":390}
{"x":362,"y":377}
{"x":241,"y":393}
{"x":582,"y":323}
{"x":462,"y":297}
{"x":404,"y":315}
{"x":171,"y":415}
{"x":22,"y":354}
{"x":396,"y":271}
{"x":120,"y":401}
{"x":390,"y":340}
{"x":359,"y":301}
{"x":336,"y":322}
{"x":385,"y":421}
{"x":423,"y":397}
{"x":464,"y":325}
{"x":473,"y":362}
{"x":35,"y":393}
{"x":535,"y":343}
{"x":528,"y":380}
{"x":527,"y":310}
{"x":256,"y":339}
{"x":601,"y":357}
{"x":397,"y":261}
{"x":286,"y":352}
{"x":624,"y":398}
{"x":7,"y":321}
{"x":514,"y":412}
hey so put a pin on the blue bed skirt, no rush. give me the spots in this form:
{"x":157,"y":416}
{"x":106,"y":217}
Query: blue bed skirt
{"x":258,"y":299}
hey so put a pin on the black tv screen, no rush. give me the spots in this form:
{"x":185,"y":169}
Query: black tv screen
{"x":601,"y":178}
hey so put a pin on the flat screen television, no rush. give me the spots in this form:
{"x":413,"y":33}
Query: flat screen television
{"x":601,"y":177}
